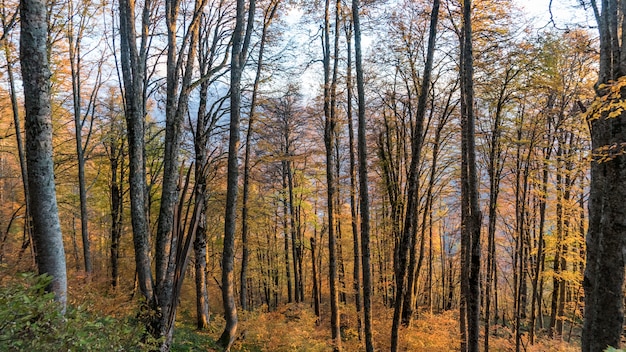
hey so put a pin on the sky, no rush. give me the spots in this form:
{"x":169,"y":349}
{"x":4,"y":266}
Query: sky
{"x":565,"y":13}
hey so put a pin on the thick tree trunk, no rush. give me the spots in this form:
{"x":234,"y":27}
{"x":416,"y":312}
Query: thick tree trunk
{"x":48,"y":240}
{"x":606,"y":240}
{"x":133,"y":61}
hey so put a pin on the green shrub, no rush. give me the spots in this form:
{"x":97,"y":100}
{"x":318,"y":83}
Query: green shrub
{"x":30,"y":321}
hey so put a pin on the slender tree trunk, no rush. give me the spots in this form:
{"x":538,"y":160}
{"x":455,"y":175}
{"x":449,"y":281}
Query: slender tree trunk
{"x":285,"y":234}
{"x":329,"y":142}
{"x":18,"y":135}
{"x":239,"y":48}
{"x":117,"y":205}
{"x":356,"y":277}
{"x":200,"y":242}
{"x":316,"y":295}
{"x":363,"y":182}
{"x":471,"y":216}
{"x":75,"y":68}
{"x":410,"y":223}
{"x":269,"y":16}
{"x":536,"y":298}
{"x":495,"y":171}
{"x":48,"y":240}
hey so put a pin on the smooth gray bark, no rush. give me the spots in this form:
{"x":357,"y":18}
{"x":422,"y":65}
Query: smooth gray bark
{"x":47,"y":236}
{"x":239,"y":48}
{"x":133,"y":62}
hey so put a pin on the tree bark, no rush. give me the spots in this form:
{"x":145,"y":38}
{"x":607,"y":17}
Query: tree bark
{"x":75,"y":68}
{"x":471,"y":216}
{"x":239,"y":47}
{"x":606,"y":240}
{"x":133,"y":62}
{"x":329,"y":142}
{"x":18,"y":135}
{"x":48,"y":240}
{"x":356,"y":277}
{"x":363,"y":182}
{"x":409,"y":232}
{"x":246,"y":163}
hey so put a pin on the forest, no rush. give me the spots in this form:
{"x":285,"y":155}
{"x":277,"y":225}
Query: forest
{"x":323,"y":175}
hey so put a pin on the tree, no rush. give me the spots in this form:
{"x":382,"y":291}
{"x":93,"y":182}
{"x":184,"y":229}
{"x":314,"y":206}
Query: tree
{"x":606,"y":237}
{"x":470,"y":212}
{"x":330,"y":112}
{"x":269,"y":14}
{"x":8,"y":23}
{"x":404,"y":293}
{"x":114,"y":144}
{"x":363,"y":181}
{"x":49,"y":250}
{"x":240,"y":44}
{"x":170,"y":238}
{"x":78,"y":26}
{"x":133,"y":59}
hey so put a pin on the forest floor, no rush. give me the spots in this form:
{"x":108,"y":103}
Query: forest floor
{"x":290,"y":327}
{"x":294,"y":327}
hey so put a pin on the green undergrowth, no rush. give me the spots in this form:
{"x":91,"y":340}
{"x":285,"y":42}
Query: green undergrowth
{"x":188,"y":339}
{"x":30,"y":321}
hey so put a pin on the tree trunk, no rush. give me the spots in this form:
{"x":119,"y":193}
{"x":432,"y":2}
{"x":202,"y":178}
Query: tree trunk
{"x":471,"y":216}
{"x":116,"y":206}
{"x":329,"y":142}
{"x":356,"y":277}
{"x":606,"y":240}
{"x":75,"y":68}
{"x":363,"y":182}
{"x":18,"y":138}
{"x":409,"y":232}
{"x":48,"y":240}
{"x":239,"y":48}
{"x":133,"y":62}
{"x":316,"y":294}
